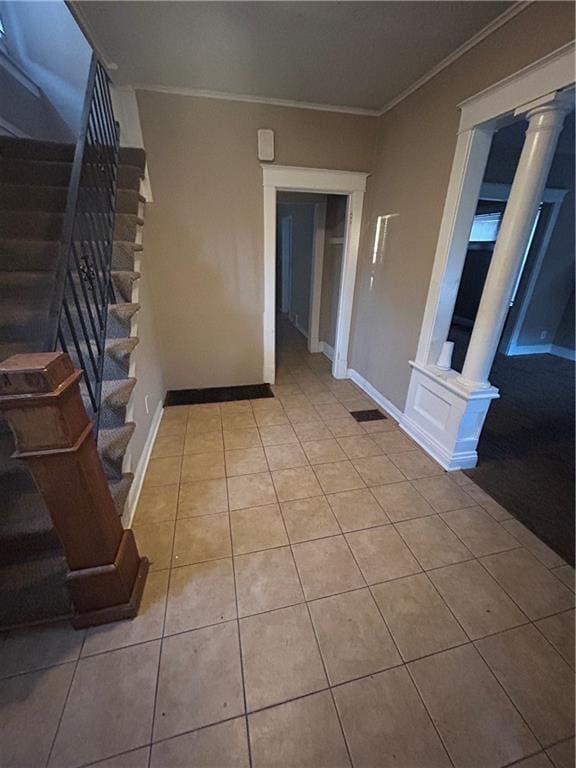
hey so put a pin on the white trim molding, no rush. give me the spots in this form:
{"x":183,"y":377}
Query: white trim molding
{"x":374,"y":394}
{"x":316,"y":276}
{"x":140,"y":471}
{"x":444,"y":412}
{"x":282,"y":178}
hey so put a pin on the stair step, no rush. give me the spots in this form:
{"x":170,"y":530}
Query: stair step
{"x":34,"y":591}
{"x":120,"y":490}
{"x":14,"y":197}
{"x":112,"y":445}
{"x":125,"y":226}
{"x":9,"y":348}
{"x":129,"y":177}
{"x":133,"y":156}
{"x":26,"y":529}
{"x":127,"y":201}
{"x":123,"y":281}
{"x":38,"y":225}
{"x":29,"y":255}
{"x":119,"y":317}
{"x":40,"y":173}
{"x":115,"y":398}
{"x":31,"y":149}
{"x":123,"y":255}
{"x":25,"y":286}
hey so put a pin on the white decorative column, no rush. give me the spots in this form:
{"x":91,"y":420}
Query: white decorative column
{"x":545,"y":124}
{"x":445,"y":411}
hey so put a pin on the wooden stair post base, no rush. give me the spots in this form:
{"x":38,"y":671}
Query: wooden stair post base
{"x":40,"y":397}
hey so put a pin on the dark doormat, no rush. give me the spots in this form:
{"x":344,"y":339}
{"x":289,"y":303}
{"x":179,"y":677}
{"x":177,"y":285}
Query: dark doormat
{"x":371,"y":415}
{"x":217,"y":394}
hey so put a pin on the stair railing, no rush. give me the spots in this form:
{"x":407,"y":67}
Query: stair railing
{"x":84,"y":287}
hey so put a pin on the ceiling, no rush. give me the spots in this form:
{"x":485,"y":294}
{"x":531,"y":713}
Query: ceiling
{"x":351,"y":54}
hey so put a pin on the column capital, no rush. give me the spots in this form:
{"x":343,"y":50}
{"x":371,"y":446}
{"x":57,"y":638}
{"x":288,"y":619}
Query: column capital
{"x":556,"y":104}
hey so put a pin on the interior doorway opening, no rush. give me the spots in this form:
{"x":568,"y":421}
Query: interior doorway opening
{"x":310,"y":239}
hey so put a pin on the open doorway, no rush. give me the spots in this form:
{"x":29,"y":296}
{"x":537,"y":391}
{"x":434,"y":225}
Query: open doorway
{"x":310,"y":239}
{"x":526,"y":449}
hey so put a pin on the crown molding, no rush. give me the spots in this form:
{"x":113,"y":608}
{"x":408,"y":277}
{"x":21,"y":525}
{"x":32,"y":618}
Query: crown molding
{"x":225,"y":96}
{"x":472,"y":42}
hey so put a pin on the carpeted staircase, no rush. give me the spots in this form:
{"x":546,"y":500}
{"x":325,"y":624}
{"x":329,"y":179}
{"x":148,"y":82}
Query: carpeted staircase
{"x":34,"y":179}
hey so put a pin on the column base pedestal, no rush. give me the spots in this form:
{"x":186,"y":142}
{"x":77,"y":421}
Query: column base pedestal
{"x":445,"y":417}
{"x":112,"y":613}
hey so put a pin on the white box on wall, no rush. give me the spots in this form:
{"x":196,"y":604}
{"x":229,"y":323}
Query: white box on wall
{"x":265,"y":144}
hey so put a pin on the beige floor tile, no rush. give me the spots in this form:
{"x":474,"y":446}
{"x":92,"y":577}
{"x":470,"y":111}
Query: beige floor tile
{"x":415,"y":464}
{"x":245,"y":461}
{"x":203,"y":497}
{"x":301,"y":734}
{"x":236,"y":406}
{"x":147,"y":625}
{"x":224,"y":745}
{"x":257,"y":528}
{"x":200,"y":423}
{"x":331,"y":411}
{"x":353,"y":638}
{"x":417,"y":616}
{"x":285,"y":456}
{"x":197,"y":539}
{"x":559,"y":630}
{"x":163,"y":472}
{"x":347,"y":427}
{"x":536,"y":761}
{"x":250,"y":490}
{"x":479,"y":604}
{"x":379,"y":426}
{"x":323,"y":451}
{"x":172,"y":428}
{"x":357,"y":509}
{"x":566,"y":575}
{"x":280,"y":656}
{"x":338,"y":476}
{"x":207,"y":442}
{"x":536,"y":678}
{"x":285,"y":390}
{"x":326,"y":567}
{"x":136,"y":758}
{"x":31,"y":706}
{"x":203,"y":466}
{"x":168,"y":444}
{"x":378,"y":470}
{"x":393,"y":441}
{"x":241,"y":438}
{"x":296,"y":483}
{"x":277,"y":418}
{"x":479,"y":531}
{"x":533,"y":544}
{"x":110,"y":706}
{"x":381,"y":554}
{"x":529,"y":583}
{"x":238,"y":420}
{"x":266,"y":580}
{"x":486,"y":502}
{"x":562,"y":755}
{"x":200,"y":680}
{"x":385,"y":723}
{"x":318,"y":394}
{"x":174,"y":413}
{"x":476,"y":720}
{"x":278,"y":435}
{"x":401,"y":501}
{"x":307,"y":519}
{"x":312,"y":430}
{"x":301,"y":414}
{"x":432,"y":542}
{"x":155,"y":542}
{"x":200,"y":595}
{"x":359,"y":447}
{"x":157,"y":504}
{"x":32,"y":648}
{"x":443,"y":494}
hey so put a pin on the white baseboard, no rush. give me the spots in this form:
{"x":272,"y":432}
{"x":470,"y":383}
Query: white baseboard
{"x":437,"y":451}
{"x":303,"y":331}
{"x":327,"y":350}
{"x":140,"y":471}
{"x":377,"y":396}
{"x":565,"y":352}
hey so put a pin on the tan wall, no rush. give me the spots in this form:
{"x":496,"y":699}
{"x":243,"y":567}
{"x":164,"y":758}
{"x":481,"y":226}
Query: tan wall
{"x":413,"y":159}
{"x":204,"y":231}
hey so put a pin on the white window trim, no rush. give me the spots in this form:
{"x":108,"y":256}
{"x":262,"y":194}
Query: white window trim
{"x":323,"y":181}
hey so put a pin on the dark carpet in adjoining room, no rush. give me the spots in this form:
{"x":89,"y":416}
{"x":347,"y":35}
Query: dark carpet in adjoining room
{"x":526,"y":452}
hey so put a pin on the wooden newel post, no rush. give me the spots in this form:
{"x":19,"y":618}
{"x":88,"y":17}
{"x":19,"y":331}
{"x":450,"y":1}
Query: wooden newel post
{"x":40,"y":398}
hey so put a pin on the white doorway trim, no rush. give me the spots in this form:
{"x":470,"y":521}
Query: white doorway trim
{"x":278,"y":178}
{"x":442,"y":414}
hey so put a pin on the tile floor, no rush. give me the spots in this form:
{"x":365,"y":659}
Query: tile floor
{"x":321,"y":594}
